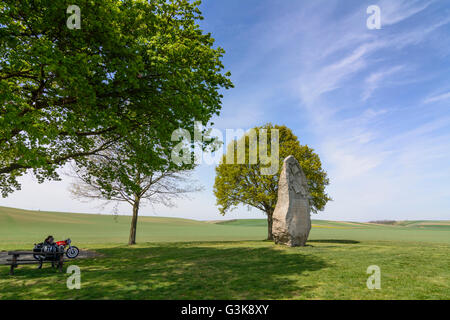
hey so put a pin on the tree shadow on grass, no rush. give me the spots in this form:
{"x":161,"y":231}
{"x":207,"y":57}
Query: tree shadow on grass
{"x":175,"y":271}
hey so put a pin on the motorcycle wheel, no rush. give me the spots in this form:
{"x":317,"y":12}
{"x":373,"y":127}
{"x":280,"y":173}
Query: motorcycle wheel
{"x":72,"y":252}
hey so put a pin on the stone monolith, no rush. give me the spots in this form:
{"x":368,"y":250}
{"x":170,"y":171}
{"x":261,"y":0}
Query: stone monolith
{"x":291,"y":218}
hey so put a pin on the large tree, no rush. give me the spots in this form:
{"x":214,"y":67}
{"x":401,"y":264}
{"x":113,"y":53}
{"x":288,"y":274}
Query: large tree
{"x":111,"y":177}
{"x":243,"y":184}
{"x":136,"y":70}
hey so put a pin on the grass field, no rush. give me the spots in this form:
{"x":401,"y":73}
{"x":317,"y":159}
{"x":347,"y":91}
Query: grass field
{"x":186,"y":259}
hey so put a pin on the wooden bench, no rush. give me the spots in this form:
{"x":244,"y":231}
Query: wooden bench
{"x":14,"y":262}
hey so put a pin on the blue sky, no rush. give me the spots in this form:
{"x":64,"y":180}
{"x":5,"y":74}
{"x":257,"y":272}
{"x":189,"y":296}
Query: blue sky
{"x":374,"y":104}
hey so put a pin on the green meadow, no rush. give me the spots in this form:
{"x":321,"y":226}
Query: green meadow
{"x":187,"y":259}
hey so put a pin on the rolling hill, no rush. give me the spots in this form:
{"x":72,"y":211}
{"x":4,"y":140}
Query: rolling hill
{"x":22,"y":227}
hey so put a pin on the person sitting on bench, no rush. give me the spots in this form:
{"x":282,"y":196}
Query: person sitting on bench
{"x":49,"y":241}
{"x":50,"y":246}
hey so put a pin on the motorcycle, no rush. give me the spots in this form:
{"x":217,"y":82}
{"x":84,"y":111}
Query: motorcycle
{"x":71,"y":252}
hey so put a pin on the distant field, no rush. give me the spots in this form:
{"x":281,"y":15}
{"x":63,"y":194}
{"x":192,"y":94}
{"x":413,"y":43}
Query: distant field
{"x":187,"y":259}
{"x":412,"y":231}
{"x":20,"y":228}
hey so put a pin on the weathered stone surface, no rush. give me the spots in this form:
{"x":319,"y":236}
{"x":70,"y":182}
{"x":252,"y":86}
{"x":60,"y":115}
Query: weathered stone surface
{"x":291,"y":218}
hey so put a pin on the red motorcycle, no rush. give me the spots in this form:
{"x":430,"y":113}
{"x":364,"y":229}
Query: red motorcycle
{"x":71,"y":252}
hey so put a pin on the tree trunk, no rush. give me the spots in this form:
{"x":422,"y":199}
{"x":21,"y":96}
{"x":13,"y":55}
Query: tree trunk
{"x":269,"y":225}
{"x":134,"y":220}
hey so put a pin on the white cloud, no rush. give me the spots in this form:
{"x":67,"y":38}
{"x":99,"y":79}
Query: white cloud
{"x":376,"y":79}
{"x":378,"y":167}
{"x":332,"y":76}
{"x":440,"y":97}
{"x":393,"y":12}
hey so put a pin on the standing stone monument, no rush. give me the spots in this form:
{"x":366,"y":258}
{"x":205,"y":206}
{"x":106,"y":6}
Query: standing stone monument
{"x":291,"y":218}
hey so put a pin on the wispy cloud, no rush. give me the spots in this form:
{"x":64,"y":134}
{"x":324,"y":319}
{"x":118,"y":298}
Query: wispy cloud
{"x":371,"y":159}
{"x":376,"y":80}
{"x":396,"y":11}
{"x":439,"y":97}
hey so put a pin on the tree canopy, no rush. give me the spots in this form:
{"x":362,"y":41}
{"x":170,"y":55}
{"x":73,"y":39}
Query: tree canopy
{"x":133,"y":73}
{"x":243,"y":184}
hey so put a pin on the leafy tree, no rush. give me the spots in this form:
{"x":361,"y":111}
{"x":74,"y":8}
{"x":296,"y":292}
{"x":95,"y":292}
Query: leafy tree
{"x":109,"y":176}
{"x":136,"y":70}
{"x":237,"y":184}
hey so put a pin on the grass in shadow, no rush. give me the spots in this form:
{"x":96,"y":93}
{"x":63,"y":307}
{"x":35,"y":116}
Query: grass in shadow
{"x":244,"y":270}
{"x":173,"y":271}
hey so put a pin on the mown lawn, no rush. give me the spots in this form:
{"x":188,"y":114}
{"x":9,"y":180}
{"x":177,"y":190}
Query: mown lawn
{"x":326,"y":269}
